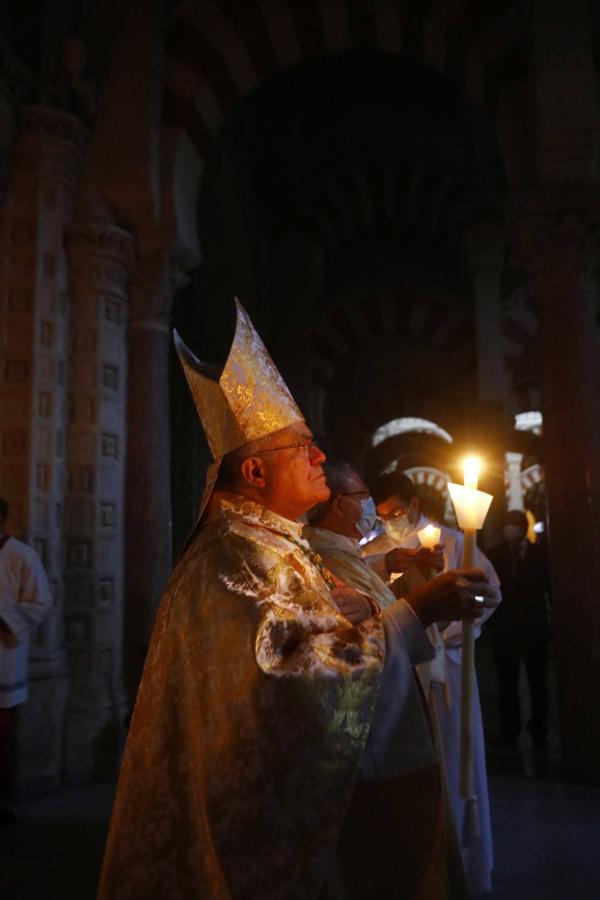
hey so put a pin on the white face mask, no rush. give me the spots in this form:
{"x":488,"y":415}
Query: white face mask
{"x":398,"y":528}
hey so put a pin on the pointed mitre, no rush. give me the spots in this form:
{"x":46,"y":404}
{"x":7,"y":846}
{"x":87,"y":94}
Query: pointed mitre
{"x":246,"y":399}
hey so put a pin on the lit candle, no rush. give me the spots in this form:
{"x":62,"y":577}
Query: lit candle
{"x":471,"y":507}
{"x":429,"y":536}
{"x":472,"y":465}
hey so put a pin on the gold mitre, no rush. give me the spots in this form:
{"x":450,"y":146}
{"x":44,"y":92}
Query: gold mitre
{"x":245,"y":400}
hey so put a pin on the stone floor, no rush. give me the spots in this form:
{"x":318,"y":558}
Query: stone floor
{"x":546,"y":833}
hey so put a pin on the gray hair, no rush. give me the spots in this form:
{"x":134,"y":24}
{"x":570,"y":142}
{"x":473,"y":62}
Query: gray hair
{"x":229,"y":471}
{"x":339,"y":475}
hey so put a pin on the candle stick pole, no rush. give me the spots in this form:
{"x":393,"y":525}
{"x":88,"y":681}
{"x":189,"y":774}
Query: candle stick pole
{"x":471,"y":507}
{"x":467,"y":779}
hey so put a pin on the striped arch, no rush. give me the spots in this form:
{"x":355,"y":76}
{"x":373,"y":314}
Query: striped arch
{"x":531,"y":477}
{"x":520,"y":335}
{"x":414,"y":311}
{"x":220,"y":50}
{"x":533,"y":485}
{"x":364,"y":198}
{"x":429,"y":480}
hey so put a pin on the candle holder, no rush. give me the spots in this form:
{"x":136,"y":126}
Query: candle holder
{"x":470,"y":505}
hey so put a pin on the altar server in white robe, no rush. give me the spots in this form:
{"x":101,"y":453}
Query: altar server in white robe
{"x":24,"y":602}
{"x":399,"y":508}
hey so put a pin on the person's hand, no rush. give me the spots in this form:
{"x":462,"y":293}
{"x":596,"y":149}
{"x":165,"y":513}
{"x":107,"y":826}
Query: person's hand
{"x":430,"y":560}
{"x":352,"y":604}
{"x":458,"y":594}
{"x":400,"y":559}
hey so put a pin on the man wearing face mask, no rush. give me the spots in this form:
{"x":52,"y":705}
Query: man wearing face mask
{"x":400,"y":742}
{"x":520,"y":629}
{"x":335,"y":530}
{"x":399,"y":507}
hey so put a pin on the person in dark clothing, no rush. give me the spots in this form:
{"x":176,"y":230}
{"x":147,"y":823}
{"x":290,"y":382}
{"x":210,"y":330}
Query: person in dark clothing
{"x":520,"y":629}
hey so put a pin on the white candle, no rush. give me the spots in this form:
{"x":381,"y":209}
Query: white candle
{"x":429,"y":536}
{"x":471,"y":507}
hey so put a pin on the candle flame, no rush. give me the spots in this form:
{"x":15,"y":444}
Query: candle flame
{"x":472,"y":467}
{"x":429,"y":536}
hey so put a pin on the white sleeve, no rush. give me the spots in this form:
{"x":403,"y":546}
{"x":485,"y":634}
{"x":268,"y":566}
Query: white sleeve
{"x":401,"y":622}
{"x":399,"y":740}
{"x":34,"y":601}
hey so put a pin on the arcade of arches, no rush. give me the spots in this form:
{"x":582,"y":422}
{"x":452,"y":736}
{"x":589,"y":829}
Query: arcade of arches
{"x":404,"y":197}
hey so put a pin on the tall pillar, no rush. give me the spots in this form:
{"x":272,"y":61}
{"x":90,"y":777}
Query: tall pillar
{"x":148,"y":481}
{"x":490,"y":429}
{"x":486,"y":246}
{"x":100,"y":258}
{"x":512,"y":478}
{"x":34,"y":329}
{"x":555,"y":229}
{"x":558,"y":247}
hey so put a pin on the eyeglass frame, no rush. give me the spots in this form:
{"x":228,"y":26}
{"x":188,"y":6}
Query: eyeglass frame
{"x":389,"y":517}
{"x":309,"y":445}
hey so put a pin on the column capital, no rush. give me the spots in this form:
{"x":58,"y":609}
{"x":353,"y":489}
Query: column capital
{"x":101,"y":254}
{"x":154,"y":281}
{"x":555,"y":232}
{"x":53,"y":143}
{"x":106,"y":240}
{"x":47,"y":121}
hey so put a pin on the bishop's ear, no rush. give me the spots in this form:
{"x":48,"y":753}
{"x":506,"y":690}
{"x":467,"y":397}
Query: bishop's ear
{"x":253,"y":471}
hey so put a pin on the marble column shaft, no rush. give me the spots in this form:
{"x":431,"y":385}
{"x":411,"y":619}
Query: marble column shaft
{"x":100,"y":258}
{"x":148,"y":479}
{"x":48,"y":154}
{"x":559,"y":248}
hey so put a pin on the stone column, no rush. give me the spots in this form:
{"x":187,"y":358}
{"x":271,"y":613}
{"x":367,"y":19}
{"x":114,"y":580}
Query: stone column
{"x":512,"y":478}
{"x":489,"y":427}
{"x":100,"y":258}
{"x":148,"y":482}
{"x":34,"y":324}
{"x":558,"y":248}
{"x":486,"y":246}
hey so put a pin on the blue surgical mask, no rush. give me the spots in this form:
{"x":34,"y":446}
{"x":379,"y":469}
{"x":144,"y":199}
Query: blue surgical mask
{"x":366,"y":523}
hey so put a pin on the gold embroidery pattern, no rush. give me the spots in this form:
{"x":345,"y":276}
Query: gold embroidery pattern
{"x":249,"y":725}
{"x":249,"y":400}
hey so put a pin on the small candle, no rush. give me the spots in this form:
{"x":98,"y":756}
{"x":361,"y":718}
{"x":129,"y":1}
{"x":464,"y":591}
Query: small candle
{"x":429,"y":536}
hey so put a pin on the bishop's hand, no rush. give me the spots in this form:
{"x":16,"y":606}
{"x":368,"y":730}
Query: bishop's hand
{"x":458,"y":594}
{"x":352,"y":604}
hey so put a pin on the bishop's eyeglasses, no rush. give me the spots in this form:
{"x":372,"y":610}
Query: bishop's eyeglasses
{"x":306,"y":447}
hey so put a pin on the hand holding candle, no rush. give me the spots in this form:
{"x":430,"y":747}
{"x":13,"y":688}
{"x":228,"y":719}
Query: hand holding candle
{"x":471,"y":507}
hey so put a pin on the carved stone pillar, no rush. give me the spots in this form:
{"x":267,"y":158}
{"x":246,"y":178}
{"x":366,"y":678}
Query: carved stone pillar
{"x":100,"y":259}
{"x":34,"y":323}
{"x":485,"y":250}
{"x":148,"y":483}
{"x":558,"y":248}
{"x":512,"y":479}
